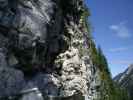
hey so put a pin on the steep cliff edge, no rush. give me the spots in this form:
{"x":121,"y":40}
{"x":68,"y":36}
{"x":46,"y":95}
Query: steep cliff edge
{"x":125,"y":80}
{"x":47,"y":53}
{"x":44,"y":44}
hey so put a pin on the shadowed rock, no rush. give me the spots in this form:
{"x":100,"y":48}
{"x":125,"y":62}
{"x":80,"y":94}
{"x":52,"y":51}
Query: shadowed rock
{"x":42,"y":46}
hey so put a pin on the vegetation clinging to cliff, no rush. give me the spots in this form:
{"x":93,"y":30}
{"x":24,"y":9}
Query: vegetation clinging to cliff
{"x":108,"y":90}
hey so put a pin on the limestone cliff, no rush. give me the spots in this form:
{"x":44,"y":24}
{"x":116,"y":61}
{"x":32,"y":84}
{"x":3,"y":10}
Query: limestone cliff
{"x":44,"y":46}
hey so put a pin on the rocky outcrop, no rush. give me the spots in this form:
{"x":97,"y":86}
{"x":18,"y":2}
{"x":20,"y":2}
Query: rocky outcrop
{"x":125,"y":80}
{"x":46,"y":83}
{"x":44,"y":44}
{"x":11,"y":81}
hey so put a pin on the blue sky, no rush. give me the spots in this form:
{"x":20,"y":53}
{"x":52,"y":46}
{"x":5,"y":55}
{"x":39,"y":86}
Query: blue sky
{"x":112,"y":23}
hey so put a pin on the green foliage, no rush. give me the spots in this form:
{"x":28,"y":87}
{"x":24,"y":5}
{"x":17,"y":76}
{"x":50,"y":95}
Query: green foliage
{"x":84,"y":18}
{"x":108,"y":90}
{"x":94,"y":53}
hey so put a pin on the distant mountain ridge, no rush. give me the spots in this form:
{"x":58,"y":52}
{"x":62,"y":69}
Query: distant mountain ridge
{"x":125,"y":80}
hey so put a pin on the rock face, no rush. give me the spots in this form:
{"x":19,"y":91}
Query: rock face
{"x":11,"y":81}
{"x":125,"y":80}
{"x":44,"y":44}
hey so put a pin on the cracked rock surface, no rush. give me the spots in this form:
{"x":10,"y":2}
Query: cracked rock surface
{"x":42,"y":45}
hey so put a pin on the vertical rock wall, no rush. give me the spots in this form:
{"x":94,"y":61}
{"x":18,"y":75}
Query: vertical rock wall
{"x":46,"y":44}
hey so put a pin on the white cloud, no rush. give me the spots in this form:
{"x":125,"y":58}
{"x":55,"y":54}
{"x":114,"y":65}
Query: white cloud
{"x":119,"y":49}
{"x":121,"y":30}
{"x":128,"y":62}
